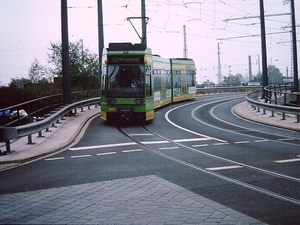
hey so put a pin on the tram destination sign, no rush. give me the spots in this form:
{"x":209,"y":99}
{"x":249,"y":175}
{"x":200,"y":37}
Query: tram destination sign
{"x":126,"y":59}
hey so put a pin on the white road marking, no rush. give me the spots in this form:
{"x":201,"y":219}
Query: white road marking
{"x":241,"y":142}
{"x":133,"y":150}
{"x":52,"y":159}
{"x":204,"y":145}
{"x":154,"y":142}
{"x":265,"y":140}
{"x":167,"y":148}
{"x":224,"y":168}
{"x":285,"y":139}
{"x":80,"y":156}
{"x":287,"y":160}
{"x":226,"y":143}
{"x":193,"y":139}
{"x":106,"y":153}
{"x":102,"y":146}
{"x":141,"y":134}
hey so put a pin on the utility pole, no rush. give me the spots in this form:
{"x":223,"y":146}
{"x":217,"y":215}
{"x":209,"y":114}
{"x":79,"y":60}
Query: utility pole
{"x":263,"y":49}
{"x":295,"y":59}
{"x":219,"y":65}
{"x":185,"y":53}
{"x":144,"y":24}
{"x":65,"y":54}
{"x":250,"y":67}
{"x":100,"y":34}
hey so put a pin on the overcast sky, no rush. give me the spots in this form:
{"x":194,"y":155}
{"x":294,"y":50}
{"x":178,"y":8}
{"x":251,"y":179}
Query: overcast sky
{"x":28,"y":27}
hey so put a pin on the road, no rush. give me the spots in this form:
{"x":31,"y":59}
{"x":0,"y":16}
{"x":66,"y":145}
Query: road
{"x":199,"y":145}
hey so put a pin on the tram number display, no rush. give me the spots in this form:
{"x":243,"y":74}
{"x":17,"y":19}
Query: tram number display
{"x":128,"y":59}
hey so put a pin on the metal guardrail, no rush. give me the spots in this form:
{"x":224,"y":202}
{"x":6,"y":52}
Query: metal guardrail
{"x":256,"y":102}
{"x":10,"y":133}
{"x":217,"y":90}
{"x":284,"y":94}
{"x":39,"y":107}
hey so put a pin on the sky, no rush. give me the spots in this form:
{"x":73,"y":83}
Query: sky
{"x":29,"y":26}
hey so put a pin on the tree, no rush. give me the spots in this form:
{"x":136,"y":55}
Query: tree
{"x":37,"y":72}
{"x":19,"y":82}
{"x":274,"y":76}
{"x":233,"y":80}
{"x":84,"y":65}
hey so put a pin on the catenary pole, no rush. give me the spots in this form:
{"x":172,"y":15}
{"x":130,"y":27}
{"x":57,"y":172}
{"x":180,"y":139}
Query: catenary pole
{"x":65,"y":53}
{"x":263,"y":49}
{"x":144,"y":23}
{"x":100,"y":32}
{"x":295,"y":58}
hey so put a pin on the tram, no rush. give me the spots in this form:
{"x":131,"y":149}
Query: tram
{"x":134,"y":82}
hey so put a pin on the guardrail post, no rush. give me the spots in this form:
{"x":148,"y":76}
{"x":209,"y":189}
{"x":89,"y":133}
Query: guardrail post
{"x":40,"y":134}
{"x":7,"y":144}
{"x":30,"y":140}
{"x":298,"y":118}
{"x":283,"y":116}
{"x":89,"y":107}
{"x":272,"y":113}
{"x":264,"y":111}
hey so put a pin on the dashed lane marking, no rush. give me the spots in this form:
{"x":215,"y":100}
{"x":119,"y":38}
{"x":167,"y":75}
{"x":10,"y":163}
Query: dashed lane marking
{"x":241,"y":142}
{"x":52,"y":159}
{"x":285,"y":139}
{"x":167,"y":148}
{"x":225,"y":143}
{"x":106,"y":153}
{"x":224,"y":168}
{"x":203,"y":145}
{"x":193,"y":139}
{"x":102,"y":146}
{"x":287,"y":160}
{"x":133,"y":150}
{"x":80,"y":156}
{"x":154,"y":142}
{"x":264,"y":140}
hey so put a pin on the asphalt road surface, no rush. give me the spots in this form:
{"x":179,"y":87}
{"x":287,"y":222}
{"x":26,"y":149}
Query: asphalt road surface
{"x":199,"y":145}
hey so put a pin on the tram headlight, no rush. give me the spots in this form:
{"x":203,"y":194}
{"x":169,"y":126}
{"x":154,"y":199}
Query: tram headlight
{"x":111,"y":101}
{"x":139,"y":101}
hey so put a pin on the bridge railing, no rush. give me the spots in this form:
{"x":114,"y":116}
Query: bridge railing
{"x":41,"y":114}
{"x":234,"y":89}
{"x":25,"y":112}
{"x":281,"y":99}
{"x":284,"y":94}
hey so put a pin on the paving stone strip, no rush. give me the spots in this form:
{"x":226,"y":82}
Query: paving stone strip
{"x":139,"y":200}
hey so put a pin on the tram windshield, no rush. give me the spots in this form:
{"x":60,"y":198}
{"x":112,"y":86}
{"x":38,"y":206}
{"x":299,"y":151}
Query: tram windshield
{"x":125,"y":81}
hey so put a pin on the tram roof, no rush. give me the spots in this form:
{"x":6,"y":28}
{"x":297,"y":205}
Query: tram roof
{"x":126,"y":46}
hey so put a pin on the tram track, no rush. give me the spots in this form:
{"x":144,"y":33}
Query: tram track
{"x":188,"y":156}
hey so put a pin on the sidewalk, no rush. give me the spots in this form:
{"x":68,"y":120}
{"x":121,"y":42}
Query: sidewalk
{"x":62,"y":135}
{"x":244,"y":110}
{"x":139,"y":200}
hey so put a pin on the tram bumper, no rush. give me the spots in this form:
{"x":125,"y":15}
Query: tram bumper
{"x":126,"y":113}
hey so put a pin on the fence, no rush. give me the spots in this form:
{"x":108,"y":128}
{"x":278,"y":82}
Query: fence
{"x":282,"y":99}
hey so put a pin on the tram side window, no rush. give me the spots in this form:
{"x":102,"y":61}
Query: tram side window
{"x":190,"y":78}
{"x":157,"y":80}
{"x":148,"y":85}
{"x":103,"y":81}
{"x":177,"y":78}
{"x":168,"y":79}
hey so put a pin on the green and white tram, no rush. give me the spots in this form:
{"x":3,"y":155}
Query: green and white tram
{"x":134,"y":82}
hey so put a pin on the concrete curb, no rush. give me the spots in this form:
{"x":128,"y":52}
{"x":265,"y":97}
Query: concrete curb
{"x":245,"y":111}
